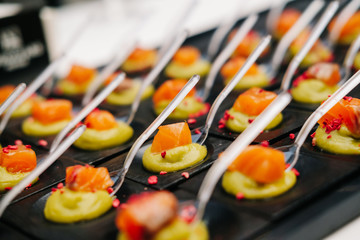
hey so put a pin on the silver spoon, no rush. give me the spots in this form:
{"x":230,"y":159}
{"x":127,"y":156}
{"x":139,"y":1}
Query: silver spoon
{"x":220,"y":33}
{"x":318,"y":29}
{"x":240,"y":143}
{"x":40,"y":168}
{"x":241,"y":32}
{"x":341,"y":20}
{"x":9,"y":100}
{"x":230,"y":86}
{"x":149,"y":131}
{"x":349,"y":60}
{"x":122,"y":54}
{"x":292,"y":151}
{"x":150,"y":78}
{"x":272,"y":68}
{"x":86,"y":110}
{"x":44,"y":75}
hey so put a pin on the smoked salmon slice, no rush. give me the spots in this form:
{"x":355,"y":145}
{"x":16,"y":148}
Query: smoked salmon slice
{"x":171,"y":136}
{"x":263,"y":164}
{"x":87,"y":178}
{"x":18,"y":158}
{"x":187,"y":55}
{"x":100,"y":120}
{"x":253,"y":101}
{"x":52,"y":110}
{"x":169,"y":89}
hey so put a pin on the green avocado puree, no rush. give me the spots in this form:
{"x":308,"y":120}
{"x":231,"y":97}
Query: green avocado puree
{"x":258,"y":80}
{"x":188,"y":106}
{"x":73,"y":206}
{"x":235,"y":182}
{"x":32,"y":127}
{"x":8,"y":179}
{"x":312,"y":91}
{"x":175,"y":159}
{"x":176,"y":70}
{"x":340,"y":142}
{"x":69,"y":88}
{"x":127,"y":96}
{"x":241,"y":121}
{"x":93,"y":139}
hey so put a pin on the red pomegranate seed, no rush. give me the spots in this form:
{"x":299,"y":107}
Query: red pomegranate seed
{"x":163,"y":172}
{"x":42,"y":143}
{"x":185,"y":175}
{"x":291,"y":136}
{"x":264,"y":143}
{"x":163,"y":154}
{"x":239,"y":196}
{"x":18,"y":142}
{"x":116,"y":203}
{"x":153,"y":180}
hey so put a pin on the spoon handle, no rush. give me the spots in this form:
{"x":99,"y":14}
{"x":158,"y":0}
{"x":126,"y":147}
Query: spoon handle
{"x":349,"y":58}
{"x":156,"y":71}
{"x":108,"y":70}
{"x":230,"y":86}
{"x":86,"y":110}
{"x":318,"y":29}
{"x":240,"y":143}
{"x":241,"y":32}
{"x":9,"y":100}
{"x":45,"y":74}
{"x":220,"y":33}
{"x":41,"y":167}
{"x":294,"y":31}
{"x":178,"y":24}
{"x":326,"y":106}
{"x":341,"y":20}
{"x":273,"y":15}
{"x":153,"y":126}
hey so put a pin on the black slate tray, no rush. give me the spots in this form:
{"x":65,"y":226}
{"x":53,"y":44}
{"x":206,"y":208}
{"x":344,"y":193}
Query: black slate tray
{"x":318,"y":174}
{"x":53,"y":175}
{"x":139,"y":174}
{"x":293,"y":119}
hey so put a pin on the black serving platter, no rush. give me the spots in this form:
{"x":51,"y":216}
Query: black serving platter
{"x":89,"y":157}
{"x":242,"y":225}
{"x":139,"y":174}
{"x":53,"y":175}
{"x":318,"y":174}
{"x":9,"y":233}
{"x":293,"y":119}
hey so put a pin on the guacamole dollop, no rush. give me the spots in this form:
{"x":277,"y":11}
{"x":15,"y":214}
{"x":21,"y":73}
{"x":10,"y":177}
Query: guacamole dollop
{"x":178,"y":230}
{"x":240,"y":121}
{"x":258,"y":80}
{"x":176,"y":70}
{"x":188,"y":106}
{"x":340,"y":142}
{"x":235,"y":182}
{"x":175,"y":159}
{"x":73,"y":206}
{"x":127,"y":96}
{"x":32,"y":127}
{"x":69,"y":88}
{"x":93,"y":139}
{"x":312,"y":91}
{"x":8,"y":179}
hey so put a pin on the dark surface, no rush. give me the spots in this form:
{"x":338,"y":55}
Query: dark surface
{"x":139,"y":174}
{"x":293,"y":119}
{"x":325,"y":197}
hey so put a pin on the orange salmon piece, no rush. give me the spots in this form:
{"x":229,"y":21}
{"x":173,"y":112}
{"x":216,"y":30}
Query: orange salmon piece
{"x":87,"y":178}
{"x":18,"y":158}
{"x":253,"y":101}
{"x":80,"y":75}
{"x":51,"y":111}
{"x":263,"y":164}
{"x":169,"y":89}
{"x":232,"y":66}
{"x":100,"y":120}
{"x":187,"y":55}
{"x":171,"y":136}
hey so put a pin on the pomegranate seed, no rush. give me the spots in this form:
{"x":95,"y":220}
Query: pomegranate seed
{"x":163,"y":154}
{"x":60,"y":185}
{"x":291,"y":136}
{"x":185,"y":175}
{"x":239,"y":196}
{"x":116,"y":203}
{"x":42,"y":143}
{"x":191,"y":121}
{"x":163,"y":172}
{"x":153,"y":180}
{"x":110,"y":190}
{"x":264,"y":143}
{"x":18,"y":142}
